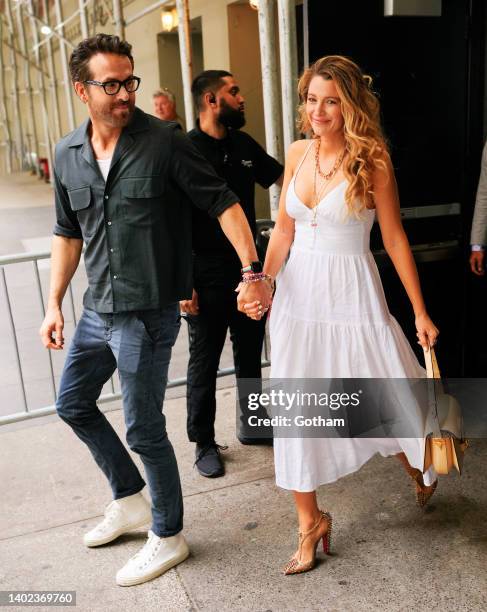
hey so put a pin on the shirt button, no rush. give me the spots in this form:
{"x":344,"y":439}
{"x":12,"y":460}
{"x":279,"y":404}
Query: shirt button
{"x":109,"y":223}
{"x":106,"y":197}
{"x":115,"y":276}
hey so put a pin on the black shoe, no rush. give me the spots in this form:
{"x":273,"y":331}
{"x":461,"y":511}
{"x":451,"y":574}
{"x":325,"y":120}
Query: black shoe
{"x":255,"y":441}
{"x":208,"y":461}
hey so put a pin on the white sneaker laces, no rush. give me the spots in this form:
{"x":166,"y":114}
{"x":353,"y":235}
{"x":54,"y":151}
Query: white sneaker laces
{"x":111,"y":513}
{"x":149,"y":550}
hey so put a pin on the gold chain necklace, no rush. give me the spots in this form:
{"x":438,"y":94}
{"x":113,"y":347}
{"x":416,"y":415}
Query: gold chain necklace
{"x":338,"y":162}
{"x":319,"y":195}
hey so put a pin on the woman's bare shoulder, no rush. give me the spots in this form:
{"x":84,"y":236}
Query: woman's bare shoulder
{"x":296,"y":151}
{"x":298,"y":146}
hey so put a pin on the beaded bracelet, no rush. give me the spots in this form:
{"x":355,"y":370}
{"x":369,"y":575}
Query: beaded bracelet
{"x":254,"y":277}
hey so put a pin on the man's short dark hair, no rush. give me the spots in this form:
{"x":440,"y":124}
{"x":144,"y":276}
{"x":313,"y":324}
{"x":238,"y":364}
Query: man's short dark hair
{"x":209,"y":80}
{"x":87,"y":48}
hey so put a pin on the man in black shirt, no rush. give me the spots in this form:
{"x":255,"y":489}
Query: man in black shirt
{"x":242,"y":162}
{"x":124,"y":183}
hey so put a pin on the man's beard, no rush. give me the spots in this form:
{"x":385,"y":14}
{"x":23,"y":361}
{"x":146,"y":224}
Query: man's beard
{"x":231,"y":117}
{"x":121,"y":119}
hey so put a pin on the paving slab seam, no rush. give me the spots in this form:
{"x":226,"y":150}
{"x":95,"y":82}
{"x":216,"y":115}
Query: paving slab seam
{"x":89,"y":518}
{"x":229,"y":486}
{"x":184,"y":586}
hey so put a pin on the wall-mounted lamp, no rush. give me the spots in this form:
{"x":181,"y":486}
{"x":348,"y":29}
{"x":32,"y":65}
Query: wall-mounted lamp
{"x":46,"y":30}
{"x":169,"y":19}
{"x":254,"y":4}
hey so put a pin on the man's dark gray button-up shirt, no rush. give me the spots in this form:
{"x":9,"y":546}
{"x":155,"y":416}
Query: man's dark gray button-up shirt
{"x":137,"y":226}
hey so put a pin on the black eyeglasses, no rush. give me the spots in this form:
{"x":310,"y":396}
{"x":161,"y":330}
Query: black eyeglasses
{"x":113,"y":87}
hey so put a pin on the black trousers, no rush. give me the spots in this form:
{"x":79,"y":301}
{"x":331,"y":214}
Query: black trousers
{"x":207,"y":331}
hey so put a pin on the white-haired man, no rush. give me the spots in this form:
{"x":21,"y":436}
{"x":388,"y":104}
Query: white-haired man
{"x":165,"y":105}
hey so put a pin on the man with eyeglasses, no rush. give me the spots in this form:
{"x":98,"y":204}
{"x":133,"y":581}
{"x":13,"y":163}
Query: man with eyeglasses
{"x":212,"y":311}
{"x":124,"y":182}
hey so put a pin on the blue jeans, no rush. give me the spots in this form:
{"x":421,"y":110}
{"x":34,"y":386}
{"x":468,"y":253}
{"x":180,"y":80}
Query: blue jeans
{"x":139,"y":344}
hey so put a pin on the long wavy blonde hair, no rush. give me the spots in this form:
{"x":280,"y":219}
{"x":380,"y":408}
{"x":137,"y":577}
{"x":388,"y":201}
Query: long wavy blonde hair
{"x":364,"y":141}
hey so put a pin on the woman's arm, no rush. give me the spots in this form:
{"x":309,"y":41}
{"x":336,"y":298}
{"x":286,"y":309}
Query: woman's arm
{"x":282,"y":235}
{"x":397,"y":247}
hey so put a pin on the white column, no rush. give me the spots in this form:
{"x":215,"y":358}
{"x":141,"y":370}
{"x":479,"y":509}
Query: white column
{"x":83,"y":19}
{"x":289,"y":68}
{"x":68,"y":90}
{"x":3,"y":106}
{"x":28,"y":89}
{"x":186,"y":60}
{"x":118,"y":18}
{"x":42,"y":88}
{"x":52,"y":76}
{"x":15,"y":88}
{"x":267,"y":36}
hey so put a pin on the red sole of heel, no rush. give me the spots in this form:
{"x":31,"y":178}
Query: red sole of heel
{"x":326,"y":544}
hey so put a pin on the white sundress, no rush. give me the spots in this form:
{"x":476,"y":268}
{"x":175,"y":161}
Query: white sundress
{"x":330,"y":319}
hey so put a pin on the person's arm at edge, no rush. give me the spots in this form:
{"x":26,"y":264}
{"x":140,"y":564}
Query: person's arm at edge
{"x":478,"y":236}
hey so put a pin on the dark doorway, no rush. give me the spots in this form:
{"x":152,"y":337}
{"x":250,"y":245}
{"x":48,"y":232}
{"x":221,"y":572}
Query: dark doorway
{"x":428,"y":73}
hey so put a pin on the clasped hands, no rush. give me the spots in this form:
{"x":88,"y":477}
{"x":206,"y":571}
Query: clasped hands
{"x":254,"y":299}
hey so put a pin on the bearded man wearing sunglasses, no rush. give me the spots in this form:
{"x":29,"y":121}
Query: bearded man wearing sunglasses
{"x":124,"y":184}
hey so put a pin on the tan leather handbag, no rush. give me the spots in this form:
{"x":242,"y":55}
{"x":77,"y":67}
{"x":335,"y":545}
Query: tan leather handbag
{"x":445,"y":445}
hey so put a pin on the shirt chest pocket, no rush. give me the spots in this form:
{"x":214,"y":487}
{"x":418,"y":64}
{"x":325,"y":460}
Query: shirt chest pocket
{"x":82,"y":203}
{"x":141,"y":198}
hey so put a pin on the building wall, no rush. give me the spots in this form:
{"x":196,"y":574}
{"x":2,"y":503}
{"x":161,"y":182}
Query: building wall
{"x":215,"y":31}
{"x":243,"y":31}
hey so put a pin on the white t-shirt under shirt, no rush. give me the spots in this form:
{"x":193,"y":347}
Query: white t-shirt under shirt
{"x":104,"y":165}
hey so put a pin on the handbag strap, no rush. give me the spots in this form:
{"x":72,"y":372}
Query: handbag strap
{"x":435,"y":388}
{"x":433,"y":374}
{"x":432,"y":369}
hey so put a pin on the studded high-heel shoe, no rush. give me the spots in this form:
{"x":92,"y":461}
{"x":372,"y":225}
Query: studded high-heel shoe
{"x":423,"y":492}
{"x":295,"y":565}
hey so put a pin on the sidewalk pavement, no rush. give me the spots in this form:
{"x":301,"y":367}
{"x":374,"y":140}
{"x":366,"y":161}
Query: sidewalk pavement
{"x":388,"y":554}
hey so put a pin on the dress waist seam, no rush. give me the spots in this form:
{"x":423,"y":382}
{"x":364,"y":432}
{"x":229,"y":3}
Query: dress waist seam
{"x":387,"y":323}
{"x":336,"y":253}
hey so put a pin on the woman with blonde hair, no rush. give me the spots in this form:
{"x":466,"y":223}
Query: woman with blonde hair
{"x":329,"y":315}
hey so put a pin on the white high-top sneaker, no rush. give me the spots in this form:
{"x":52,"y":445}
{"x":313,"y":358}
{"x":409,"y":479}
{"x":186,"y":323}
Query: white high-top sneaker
{"x":121,"y":515}
{"x":156,"y":557}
